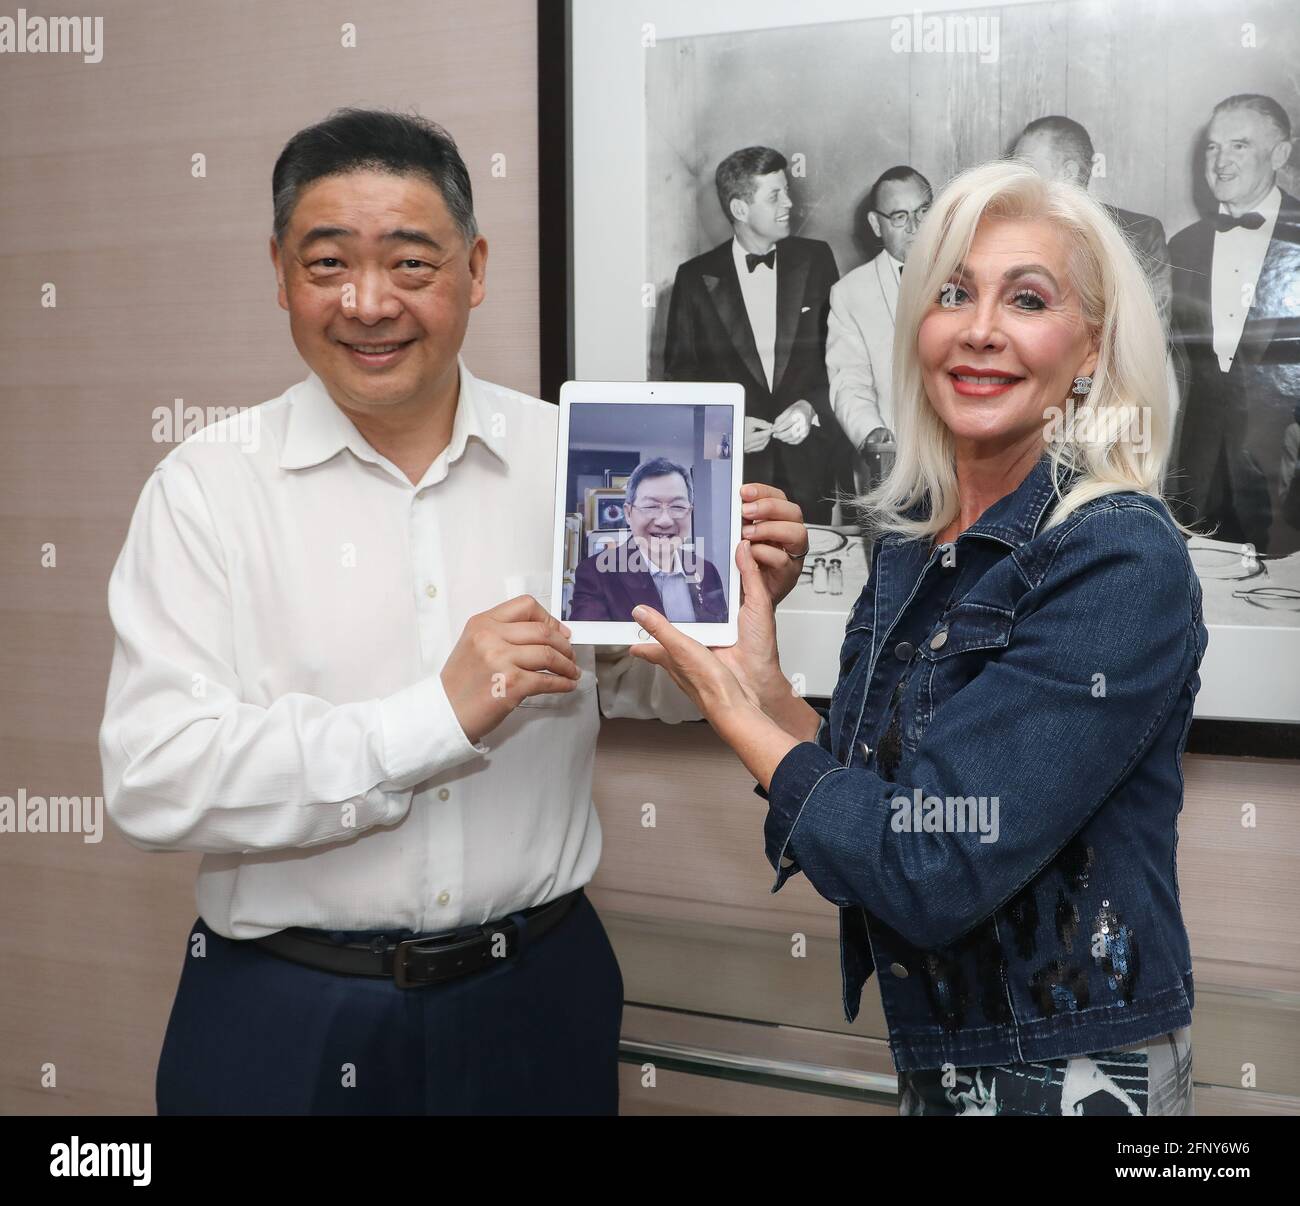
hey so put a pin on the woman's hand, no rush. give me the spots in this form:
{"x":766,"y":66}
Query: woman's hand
{"x":779,"y":539}
{"x":754,"y":658}
{"x":711,"y":685}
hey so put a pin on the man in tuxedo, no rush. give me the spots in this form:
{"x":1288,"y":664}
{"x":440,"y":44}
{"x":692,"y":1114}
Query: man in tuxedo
{"x":860,"y":330}
{"x":650,"y":567}
{"x":1061,"y":149}
{"x":1236,"y":312}
{"x":753,"y":310}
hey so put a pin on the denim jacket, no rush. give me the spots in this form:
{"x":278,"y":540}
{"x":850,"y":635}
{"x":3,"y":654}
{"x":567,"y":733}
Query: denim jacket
{"x":992,"y":796}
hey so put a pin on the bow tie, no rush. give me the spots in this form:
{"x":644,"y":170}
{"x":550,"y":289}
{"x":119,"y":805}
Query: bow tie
{"x":1251,"y":221}
{"x":752,"y":261}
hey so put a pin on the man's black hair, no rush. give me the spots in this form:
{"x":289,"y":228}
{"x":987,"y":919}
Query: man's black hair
{"x":351,"y":140}
{"x":734,"y":178}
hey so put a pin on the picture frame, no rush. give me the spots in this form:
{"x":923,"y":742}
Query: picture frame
{"x":604,"y":509}
{"x":596,"y":275}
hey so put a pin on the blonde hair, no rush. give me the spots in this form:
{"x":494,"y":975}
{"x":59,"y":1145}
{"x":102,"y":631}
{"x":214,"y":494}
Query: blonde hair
{"x":1130,"y":378}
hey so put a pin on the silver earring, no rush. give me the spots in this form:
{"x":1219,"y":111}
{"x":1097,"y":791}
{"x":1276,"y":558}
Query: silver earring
{"x":1082,"y":386}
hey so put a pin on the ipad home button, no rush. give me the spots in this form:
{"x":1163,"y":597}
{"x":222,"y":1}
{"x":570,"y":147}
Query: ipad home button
{"x":642,"y":635}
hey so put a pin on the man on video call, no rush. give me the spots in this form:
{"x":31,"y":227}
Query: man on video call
{"x":329,"y":680}
{"x":649,"y":566}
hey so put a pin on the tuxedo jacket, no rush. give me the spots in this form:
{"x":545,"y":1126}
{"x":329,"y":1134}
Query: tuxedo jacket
{"x":1147,"y":234}
{"x":611,"y":594}
{"x":709,"y":339}
{"x":1243,"y":414}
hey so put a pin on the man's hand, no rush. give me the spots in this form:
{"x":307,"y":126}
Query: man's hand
{"x":778,"y":537}
{"x":794,"y":423}
{"x":878,"y":435}
{"x":503,"y":656}
{"x":758,"y":434}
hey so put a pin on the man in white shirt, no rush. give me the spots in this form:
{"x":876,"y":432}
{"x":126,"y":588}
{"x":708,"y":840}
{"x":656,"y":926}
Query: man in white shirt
{"x":860,"y":330}
{"x":331,"y":678}
{"x":649,"y":566}
{"x":1236,"y":310}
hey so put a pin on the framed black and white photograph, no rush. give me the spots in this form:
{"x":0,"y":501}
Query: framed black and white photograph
{"x":725,"y":155}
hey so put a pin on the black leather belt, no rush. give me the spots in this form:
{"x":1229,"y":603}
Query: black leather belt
{"x":418,"y":961}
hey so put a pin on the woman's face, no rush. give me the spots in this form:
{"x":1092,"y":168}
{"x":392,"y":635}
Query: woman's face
{"x":1006,"y":337}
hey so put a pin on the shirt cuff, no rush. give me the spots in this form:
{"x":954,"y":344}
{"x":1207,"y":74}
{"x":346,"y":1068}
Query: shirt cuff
{"x":421,"y":734}
{"x":793,"y":782}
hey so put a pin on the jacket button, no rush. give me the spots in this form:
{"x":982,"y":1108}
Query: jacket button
{"x":899,"y":970}
{"x":939,"y":640}
{"x":903,"y":651}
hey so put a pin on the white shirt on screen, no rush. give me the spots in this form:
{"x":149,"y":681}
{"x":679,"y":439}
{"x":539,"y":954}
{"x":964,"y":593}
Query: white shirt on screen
{"x":1238,"y":257}
{"x":283,"y":604}
{"x":673,"y":590}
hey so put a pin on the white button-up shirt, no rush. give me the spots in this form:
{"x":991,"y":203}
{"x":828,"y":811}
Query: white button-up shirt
{"x":1237,"y":260}
{"x":673,"y":589}
{"x":283,"y":604}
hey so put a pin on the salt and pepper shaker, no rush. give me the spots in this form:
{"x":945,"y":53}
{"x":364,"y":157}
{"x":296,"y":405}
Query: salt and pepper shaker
{"x":819,"y":576}
{"x":835,"y":577}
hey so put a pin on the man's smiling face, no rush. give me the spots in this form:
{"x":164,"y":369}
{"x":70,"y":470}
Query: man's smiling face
{"x":378,"y":283}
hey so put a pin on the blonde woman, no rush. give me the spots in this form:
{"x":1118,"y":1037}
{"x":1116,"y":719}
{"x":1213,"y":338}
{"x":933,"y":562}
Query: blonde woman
{"x":991,"y":798}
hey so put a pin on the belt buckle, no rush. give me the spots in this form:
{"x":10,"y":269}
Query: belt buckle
{"x":403,"y":949}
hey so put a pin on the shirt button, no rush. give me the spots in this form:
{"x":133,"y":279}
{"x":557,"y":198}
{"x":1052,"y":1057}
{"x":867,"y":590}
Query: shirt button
{"x":443,"y":897}
{"x":444,"y":794}
{"x":431,"y":591}
{"x":903,"y":651}
{"x":899,"y":970}
{"x":939,"y":640}
{"x":786,"y":862}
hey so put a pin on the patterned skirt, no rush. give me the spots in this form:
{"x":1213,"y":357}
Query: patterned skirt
{"x":1153,"y":1078}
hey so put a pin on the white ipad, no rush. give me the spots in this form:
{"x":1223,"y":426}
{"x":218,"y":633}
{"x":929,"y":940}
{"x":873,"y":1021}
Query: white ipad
{"x":647,"y":509}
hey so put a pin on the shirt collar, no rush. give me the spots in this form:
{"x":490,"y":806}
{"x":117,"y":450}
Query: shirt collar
{"x":898,"y":264}
{"x":317,"y":429}
{"x":677,"y":565}
{"x":1015,"y":518}
{"x":1269,"y":207}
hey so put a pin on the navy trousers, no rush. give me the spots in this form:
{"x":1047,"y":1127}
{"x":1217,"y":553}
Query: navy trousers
{"x":251,"y":1033}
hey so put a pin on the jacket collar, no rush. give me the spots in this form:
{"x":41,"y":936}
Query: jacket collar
{"x":317,"y":429}
{"x":1016,"y":517}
